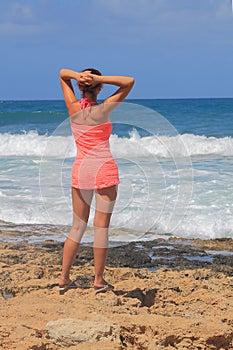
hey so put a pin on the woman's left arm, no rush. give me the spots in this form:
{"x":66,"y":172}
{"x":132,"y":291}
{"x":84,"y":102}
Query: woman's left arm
{"x":68,"y":91}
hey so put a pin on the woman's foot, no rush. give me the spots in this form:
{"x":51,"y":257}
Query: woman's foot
{"x":66,"y":284}
{"x":101,"y":286}
{"x":64,"y":281}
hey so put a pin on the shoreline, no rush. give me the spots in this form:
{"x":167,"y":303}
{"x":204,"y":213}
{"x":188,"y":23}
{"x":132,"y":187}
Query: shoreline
{"x":151,"y":253}
{"x":164,"y":298}
{"x":39,"y":233}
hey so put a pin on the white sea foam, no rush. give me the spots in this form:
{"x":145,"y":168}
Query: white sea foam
{"x":159,"y":202}
{"x":153,"y":196}
{"x":198,"y":223}
{"x":32,"y":144}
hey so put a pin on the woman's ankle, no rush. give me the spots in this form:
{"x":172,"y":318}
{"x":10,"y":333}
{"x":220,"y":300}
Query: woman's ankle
{"x":99,"y":281}
{"x":64,"y":278}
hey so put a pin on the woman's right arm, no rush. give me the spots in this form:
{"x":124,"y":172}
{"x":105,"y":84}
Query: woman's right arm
{"x":125,"y":85}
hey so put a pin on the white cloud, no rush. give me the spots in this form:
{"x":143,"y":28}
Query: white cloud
{"x":16,"y":12}
{"x":129,"y":8}
{"x":9,"y":29}
{"x":224,"y":10}
{"x":146,"y":9}
{"x":23,"y":11}
{"x":27,"y":18}
{"x":164,"y":22}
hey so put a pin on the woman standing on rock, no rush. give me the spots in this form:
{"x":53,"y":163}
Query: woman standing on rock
{"x":94,"y":170}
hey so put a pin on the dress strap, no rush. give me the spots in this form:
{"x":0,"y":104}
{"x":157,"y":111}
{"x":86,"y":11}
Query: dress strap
{"x":86,"y":102}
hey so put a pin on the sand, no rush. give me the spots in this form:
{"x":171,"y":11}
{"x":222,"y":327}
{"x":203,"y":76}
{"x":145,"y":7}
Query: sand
{"x":168,"y":295}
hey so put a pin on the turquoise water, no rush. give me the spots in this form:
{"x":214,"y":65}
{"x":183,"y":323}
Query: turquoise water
{"x":175,"y":161}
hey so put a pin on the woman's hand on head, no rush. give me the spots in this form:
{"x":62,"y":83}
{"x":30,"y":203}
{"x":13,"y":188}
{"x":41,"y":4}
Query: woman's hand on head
{"x":89,"y":79}
{"x":96,"y":79}
{"x":86,"y":78}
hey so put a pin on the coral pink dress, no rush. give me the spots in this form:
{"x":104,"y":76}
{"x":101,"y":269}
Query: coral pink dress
{"x":94,"y":166}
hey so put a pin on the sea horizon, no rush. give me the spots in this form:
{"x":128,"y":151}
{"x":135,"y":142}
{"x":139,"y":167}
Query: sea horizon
{"x":127,"y":99}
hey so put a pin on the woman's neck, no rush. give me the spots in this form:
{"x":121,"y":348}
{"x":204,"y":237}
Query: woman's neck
{"x":90,"y":96}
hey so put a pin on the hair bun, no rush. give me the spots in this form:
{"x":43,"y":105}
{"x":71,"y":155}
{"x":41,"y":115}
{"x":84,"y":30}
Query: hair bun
{"x":92,"y":70}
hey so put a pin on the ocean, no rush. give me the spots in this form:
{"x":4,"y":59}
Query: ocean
{"x":175,"y":159}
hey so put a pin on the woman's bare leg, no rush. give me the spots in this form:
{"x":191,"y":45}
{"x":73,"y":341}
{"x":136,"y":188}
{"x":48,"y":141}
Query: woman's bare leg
{"x":81,"y":208}
{"x":105,"y":200}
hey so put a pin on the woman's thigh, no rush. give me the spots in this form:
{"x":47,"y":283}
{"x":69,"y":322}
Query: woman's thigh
{"x":81,"y":200}
{"x":105,"y":200}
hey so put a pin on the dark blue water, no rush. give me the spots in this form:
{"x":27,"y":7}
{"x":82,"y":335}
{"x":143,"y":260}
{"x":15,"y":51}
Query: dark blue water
{"x":209,"y":117}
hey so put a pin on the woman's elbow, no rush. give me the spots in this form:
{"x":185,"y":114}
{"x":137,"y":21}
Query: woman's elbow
{"x":62,"y":71}
{"x":131,"y":81}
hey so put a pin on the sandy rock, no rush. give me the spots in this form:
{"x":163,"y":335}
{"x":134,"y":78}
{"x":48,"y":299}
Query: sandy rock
{"x":182,"y":305}
{"x":72,"y":331}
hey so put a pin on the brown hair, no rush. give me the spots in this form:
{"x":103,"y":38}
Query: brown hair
{"x":92,"y":70}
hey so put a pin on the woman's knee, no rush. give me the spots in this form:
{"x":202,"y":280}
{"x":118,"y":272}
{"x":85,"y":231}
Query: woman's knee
{"x":77,"y":229}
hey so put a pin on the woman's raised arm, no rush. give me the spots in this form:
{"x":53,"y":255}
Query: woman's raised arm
{"x":125,"y":85}
{"x":68,"y":91}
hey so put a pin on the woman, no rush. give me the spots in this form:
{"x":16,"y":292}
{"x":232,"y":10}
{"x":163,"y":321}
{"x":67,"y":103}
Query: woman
{"x":94,"y":170}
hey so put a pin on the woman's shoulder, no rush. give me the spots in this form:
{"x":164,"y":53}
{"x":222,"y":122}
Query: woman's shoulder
{"x":74,"y":108}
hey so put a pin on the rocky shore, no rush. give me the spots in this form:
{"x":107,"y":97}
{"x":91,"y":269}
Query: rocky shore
{"x":169,"y":294}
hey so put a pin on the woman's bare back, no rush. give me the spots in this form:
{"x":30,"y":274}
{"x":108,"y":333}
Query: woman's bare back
{"x":94,"y":115}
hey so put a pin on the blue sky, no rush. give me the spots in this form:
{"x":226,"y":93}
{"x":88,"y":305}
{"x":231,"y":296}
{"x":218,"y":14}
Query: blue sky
{"x":173,"y":48}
